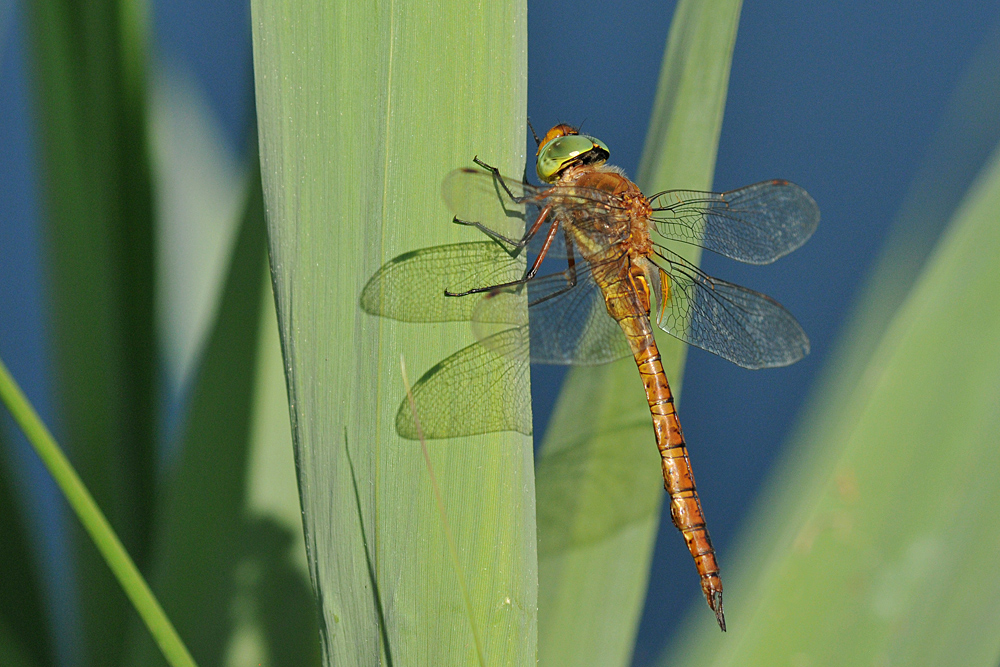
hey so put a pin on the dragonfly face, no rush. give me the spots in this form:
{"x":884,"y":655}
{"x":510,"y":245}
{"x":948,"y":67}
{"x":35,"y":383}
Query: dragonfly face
{"x":564,"y":147}
{"x":619,"y":264}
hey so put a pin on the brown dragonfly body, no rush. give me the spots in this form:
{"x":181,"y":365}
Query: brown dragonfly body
{"x":593,"y":217}
{"x":621,"y":271}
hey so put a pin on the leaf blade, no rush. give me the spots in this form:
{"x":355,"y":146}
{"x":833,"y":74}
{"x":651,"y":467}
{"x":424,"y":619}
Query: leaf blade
{"x":353,"y":163}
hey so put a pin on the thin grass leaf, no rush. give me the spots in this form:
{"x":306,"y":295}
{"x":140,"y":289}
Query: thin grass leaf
{"x":891,"y":556}
{"x":362,"y":112}
{"x":89,"y":61}
{"x":599,"y":483}
{"x":94,"y":522}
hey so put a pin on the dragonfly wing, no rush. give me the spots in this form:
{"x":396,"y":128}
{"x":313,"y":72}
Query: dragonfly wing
{"x":570,"y":324}
{"x":476,"y":196}
{"x":748,"y":328}
{"x":411,"y":287}
{"x":482,"y":388}
{"x":756,"y":224}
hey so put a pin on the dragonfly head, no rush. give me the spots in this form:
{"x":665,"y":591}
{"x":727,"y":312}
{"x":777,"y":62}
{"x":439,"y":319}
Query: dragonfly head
{"x":563,"y":147}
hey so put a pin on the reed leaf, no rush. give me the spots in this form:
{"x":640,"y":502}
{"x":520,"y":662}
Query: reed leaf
{"x":362,"y":110}
{"x":89,"y":65}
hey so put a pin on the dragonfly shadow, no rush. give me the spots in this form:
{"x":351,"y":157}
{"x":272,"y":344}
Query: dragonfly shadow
{"x":584,"y":479}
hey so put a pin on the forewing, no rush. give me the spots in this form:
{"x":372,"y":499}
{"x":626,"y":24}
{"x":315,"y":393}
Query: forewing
{"x":411,"y":287}
{"x":756,"y":224}
{"x":476,"y":196}
{"x":569,"y":322}
{"x":481,"y":388}
{"x":748,"y":328}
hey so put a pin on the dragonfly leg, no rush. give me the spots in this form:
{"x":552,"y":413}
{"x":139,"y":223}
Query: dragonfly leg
{"x":499,"y":177}
{"x":570,"y":274}
{"x":532,"y":270}
{"x":517,"y":246}
{"x":514,"y":251}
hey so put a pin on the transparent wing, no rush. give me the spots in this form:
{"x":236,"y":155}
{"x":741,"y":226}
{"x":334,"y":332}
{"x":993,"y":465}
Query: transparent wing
{"x":756,"y":224}
{"x":476,"y":196}
{"x":411,"y":286}
{"x":747,"y":328}
{"x":569,"y":322}
{"x":482,"y":388}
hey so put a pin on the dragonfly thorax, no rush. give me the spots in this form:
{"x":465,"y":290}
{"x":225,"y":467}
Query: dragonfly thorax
{"x":628,"y":214}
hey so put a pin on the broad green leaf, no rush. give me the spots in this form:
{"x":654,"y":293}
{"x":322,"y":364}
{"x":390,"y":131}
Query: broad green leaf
{"x":890,"y":557}
{"x":363,"y":109}
{"x":599,"y":482}
{"x":89,"y":62}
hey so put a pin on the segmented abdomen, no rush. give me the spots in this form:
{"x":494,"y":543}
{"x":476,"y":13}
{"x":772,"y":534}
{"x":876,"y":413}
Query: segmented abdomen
{"x":678,"y":479}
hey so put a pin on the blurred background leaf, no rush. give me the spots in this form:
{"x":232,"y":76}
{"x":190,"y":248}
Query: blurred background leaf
{"x":958,"y":151}
{"x":210,"y":552}
{"x":106,"y":280}
{"x":24,"y":629}
{"x":893,"y":544}
{"x":90,"y":64}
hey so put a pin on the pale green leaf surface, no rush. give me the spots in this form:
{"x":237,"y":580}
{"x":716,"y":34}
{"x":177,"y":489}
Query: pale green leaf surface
{"x":362,"y":110}
{"x":890,"y":557}
{"x":599,"y":483}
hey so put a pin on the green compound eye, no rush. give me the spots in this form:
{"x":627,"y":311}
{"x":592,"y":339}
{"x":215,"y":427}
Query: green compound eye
{"x":567,"y":150}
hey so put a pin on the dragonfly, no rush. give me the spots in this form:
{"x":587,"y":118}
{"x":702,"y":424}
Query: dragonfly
{"x":617,"y":274}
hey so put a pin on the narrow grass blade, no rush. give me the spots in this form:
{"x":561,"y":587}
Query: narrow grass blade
{"x":89,"y":64}
{"x":890,"y":557}
{"x":94,"y":522}
{"x":599,"y":484}
{"x":362,"y":111}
